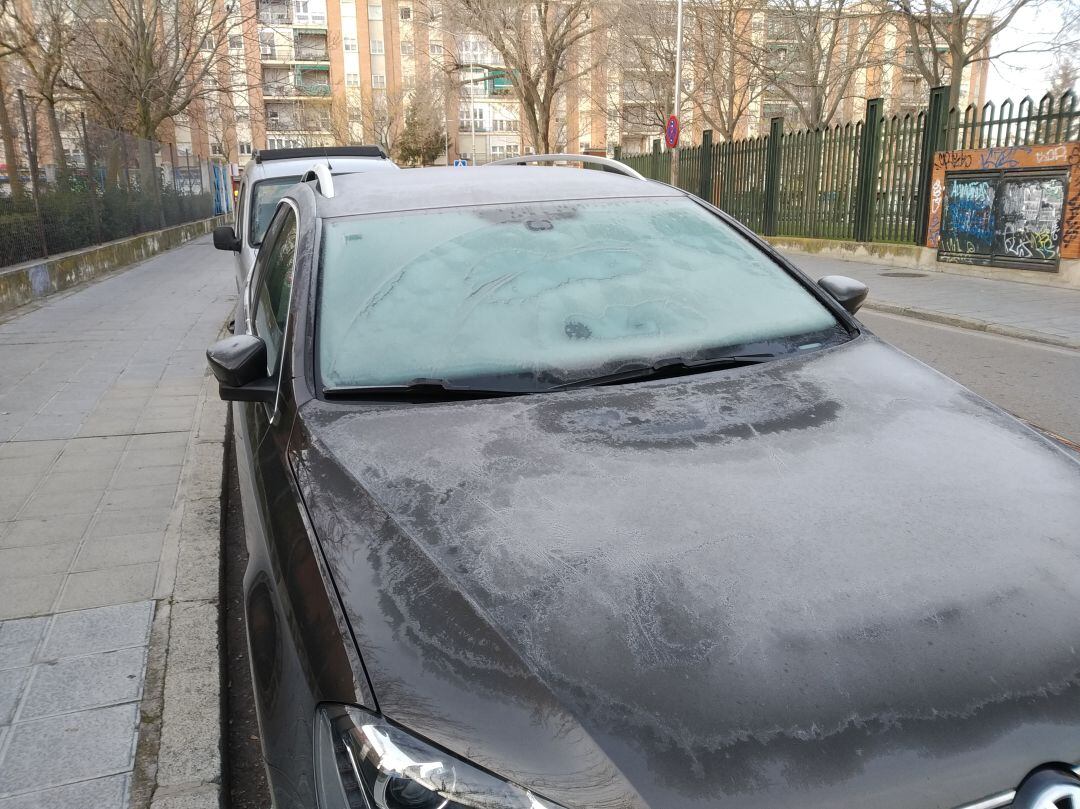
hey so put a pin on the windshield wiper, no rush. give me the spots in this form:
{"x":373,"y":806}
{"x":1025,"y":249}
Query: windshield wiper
{"x":661,"y":369}
{"x":441,"y":389}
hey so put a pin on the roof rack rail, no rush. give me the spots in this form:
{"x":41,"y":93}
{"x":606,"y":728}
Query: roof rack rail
{"x":606,"y":162}
{"x":324,"y":180}
{"x":261,"y":155}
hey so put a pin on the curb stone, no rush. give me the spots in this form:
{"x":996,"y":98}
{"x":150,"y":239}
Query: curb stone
{"x":972,"y":324}
{"x":179,"y":763}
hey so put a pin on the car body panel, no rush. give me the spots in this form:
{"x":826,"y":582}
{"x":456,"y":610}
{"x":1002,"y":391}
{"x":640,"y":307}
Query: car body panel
{"x":830,"y":576}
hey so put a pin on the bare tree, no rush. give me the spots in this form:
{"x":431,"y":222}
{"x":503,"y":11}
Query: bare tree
{"x":39,"y":38}
{"x":644,"y":55}
{"x":383,"y":114}
{"x":947,"y":36}
{"x":147,"y":61}
{"x":541,"y":43}
{"x":7,"y":131}
{"x":724,"y":60}
{"x":812,"y":50}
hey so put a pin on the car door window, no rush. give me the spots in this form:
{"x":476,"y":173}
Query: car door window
{"x":274,"y":289}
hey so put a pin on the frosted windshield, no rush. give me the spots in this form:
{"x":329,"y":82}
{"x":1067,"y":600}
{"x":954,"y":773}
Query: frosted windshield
{"x":552,"y":290}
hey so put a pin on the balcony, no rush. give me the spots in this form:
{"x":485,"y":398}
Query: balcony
{"x":303,"y":90}
{"x":275,"y":15}
{"x":291,"y":125}
{"x":311,"y":55}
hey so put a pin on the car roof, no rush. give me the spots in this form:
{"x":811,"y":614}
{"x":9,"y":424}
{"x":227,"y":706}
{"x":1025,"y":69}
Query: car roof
{"x":296,"y":166}
{"x":441,"y":187}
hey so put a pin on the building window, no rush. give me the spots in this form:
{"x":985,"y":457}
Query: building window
{"x":406,"y":49}
{"x":349,"y":44}
{"x":378,"y":81}
{"x":266,"y":44}
{"x":236,"y":42}
{"x":406,"y":12}
{"x":352,"y":79}
{"x":374,"y":11}
{"x":215,"y":149}
{"x":377,"y":47}
{"x":436,"y":49}
{"x":245,"y":147}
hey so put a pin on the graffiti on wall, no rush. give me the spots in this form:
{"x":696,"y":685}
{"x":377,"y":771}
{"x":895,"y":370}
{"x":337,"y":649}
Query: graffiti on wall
{"x":1017,"y":203}
{"x":967,"y":225}
{"x":1029,"y":218}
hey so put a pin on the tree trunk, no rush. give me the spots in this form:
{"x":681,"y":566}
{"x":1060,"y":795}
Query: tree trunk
{"x":149,"y":186}
{"x":956,"y":78}
{"x":11,"y":156}
{"x":57,"y":145}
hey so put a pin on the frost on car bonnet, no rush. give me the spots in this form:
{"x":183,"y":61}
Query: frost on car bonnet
{"x":826,"y":545}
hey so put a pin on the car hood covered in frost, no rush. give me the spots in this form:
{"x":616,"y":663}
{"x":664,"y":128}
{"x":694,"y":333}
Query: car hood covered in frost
{"x":791,"y":584}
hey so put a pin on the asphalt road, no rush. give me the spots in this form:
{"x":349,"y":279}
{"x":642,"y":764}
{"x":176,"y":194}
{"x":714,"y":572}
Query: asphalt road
{"x":1035,"y":382}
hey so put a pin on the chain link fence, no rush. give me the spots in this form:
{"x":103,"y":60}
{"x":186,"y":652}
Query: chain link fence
{"x":112,"y":185}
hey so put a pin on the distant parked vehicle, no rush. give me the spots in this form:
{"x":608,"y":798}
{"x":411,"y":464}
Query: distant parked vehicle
{"x":563,"y":490}
{"x":266,"y":178}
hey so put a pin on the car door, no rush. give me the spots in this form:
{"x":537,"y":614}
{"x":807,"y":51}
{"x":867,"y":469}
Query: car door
{"x":297,"y":649}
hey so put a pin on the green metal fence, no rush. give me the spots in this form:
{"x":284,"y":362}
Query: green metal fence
{"x":867,"y":181}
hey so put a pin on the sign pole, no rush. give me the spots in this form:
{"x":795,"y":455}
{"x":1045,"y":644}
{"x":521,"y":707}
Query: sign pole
{"x":678,"y":89}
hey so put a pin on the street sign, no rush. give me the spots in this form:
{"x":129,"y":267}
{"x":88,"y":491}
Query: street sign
{"x":460,"y":163}
{"x":671,"y":132}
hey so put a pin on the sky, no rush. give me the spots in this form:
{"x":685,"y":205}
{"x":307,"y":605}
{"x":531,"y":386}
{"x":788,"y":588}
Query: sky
{"x":1019,"y":74}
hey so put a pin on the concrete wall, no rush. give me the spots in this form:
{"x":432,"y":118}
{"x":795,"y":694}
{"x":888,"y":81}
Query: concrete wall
{"x":925,"y":259}
{"x":32,"y":280}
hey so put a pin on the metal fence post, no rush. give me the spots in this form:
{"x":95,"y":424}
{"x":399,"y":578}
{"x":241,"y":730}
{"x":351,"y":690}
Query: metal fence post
{"x":866,"y":179}
{"x":773,"y":156}
{"x":933,"y":140}
{"x":655,"y":159}
{"x":705,"y":166}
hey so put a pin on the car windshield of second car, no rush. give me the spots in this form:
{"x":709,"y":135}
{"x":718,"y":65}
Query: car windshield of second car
{"x":530,"y":297}
{"x":265,"y":196}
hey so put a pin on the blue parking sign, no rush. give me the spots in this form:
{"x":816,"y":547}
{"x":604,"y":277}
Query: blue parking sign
{"x":460,"y":162}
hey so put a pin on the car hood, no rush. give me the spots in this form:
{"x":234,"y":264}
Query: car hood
{"x":825,"y":579}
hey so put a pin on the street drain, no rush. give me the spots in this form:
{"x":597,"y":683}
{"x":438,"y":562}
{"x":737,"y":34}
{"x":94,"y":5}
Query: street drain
{"x":904,"y":274}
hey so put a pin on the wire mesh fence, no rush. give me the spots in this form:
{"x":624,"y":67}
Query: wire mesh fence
{"x":112,"y":186}
{"x":857,"y":180}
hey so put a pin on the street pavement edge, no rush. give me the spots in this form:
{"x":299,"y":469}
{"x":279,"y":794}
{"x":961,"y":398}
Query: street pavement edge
{"x":179,"y":760}
{"x":971,"y":323}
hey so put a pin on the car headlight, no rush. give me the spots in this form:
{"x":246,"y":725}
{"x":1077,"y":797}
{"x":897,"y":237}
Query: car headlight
{"x":364,"y":762}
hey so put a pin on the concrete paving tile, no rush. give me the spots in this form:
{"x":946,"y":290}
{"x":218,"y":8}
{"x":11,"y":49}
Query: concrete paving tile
{"x":70,"y":748}
{"x":12,"y":684}
{"x":164,"y":425}
{"x":157,"y":456}
{"x":96,"y":445}
{"x":119,"y":522}
{"x":30,"y":449}
{"x":19,"y":639}
{"x":35,"y":560}
{"x":107,"y":552}
{"x":21,"y":598}
{"x":100,"y":793}
{"x":158,"y":441}
{"x":45,"y":504}
{"x":45,"y":530}
{"x":106,"y":678}
{"x":147,"y":476}
{"x":117,"y":585}
{"x":42,"y":427}
{"x":67,"y":482}
{"x":160,"y":496}
{"x":98,"y":630}
{"x":92,"y":463}
{"x":30,"y":464}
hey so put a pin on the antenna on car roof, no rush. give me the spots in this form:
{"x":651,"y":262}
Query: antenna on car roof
{"x":326,"y":157}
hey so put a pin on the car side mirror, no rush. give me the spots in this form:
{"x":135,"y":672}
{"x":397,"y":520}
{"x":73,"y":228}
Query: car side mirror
{"x":239,"y":365}
{"x":848,"y":292}
{"x":225,"y":238}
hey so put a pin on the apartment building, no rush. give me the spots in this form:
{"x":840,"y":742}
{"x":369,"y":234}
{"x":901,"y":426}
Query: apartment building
{"x":321,"y":72}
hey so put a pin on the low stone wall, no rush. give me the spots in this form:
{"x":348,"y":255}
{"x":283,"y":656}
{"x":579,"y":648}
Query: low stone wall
{"x":925,"y":259}
{"x":32,"y":280}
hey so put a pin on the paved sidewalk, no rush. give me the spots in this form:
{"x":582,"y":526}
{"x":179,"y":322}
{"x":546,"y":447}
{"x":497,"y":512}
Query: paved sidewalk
{"x":99,"y":395}
{"x":1028,"y":311}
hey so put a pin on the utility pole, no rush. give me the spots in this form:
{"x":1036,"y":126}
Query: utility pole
{"x":678,"y":90}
